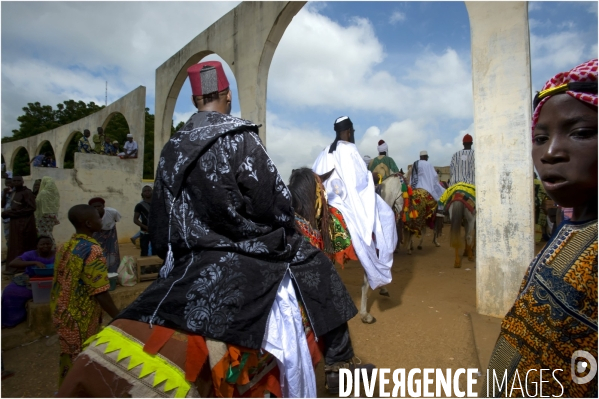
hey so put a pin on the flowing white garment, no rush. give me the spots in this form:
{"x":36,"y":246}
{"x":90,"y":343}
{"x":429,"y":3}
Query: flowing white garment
{"x":285,"y":339}
{"x":351,"y":190}
{"x":429,"y":180}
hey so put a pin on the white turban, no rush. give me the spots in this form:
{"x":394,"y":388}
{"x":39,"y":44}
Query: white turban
{"x":383,"y":147}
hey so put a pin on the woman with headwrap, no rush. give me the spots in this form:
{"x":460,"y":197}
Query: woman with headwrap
{"x":554,"y":319}
{"x":47,"y":205}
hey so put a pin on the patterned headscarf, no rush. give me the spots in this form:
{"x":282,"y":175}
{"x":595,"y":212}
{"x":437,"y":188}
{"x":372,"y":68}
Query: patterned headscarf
{"x":48,"y":198}
{"x":580,"y":83}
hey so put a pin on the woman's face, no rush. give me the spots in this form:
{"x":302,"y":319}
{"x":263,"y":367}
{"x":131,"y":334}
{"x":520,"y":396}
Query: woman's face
{"x":99,"y":207}
{"x":564,"y":150}
{"x":44,"y":245}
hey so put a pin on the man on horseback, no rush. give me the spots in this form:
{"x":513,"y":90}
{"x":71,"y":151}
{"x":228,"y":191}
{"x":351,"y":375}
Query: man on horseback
{"x":236,"y":272}
{"x":350,"y":189}
{"x":460,"y":199}
{"x":462,"y":164}
{"x":423,"y":175}
{"x":383,"y":165}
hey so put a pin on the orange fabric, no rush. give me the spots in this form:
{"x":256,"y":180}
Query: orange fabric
{"x":197,"y":353}
{"x":160,"y":335}
{"x":315,"y":352}
{"x":342,"y":257}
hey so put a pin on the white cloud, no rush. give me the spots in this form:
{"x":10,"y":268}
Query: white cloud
{"x":561,"y":50}
{"x":123,"y":46}
{"x":534,"y":6}
{"x":593,"y":52}
{"x":347,"y":72}
{"x":397,"y":16}
{"x":291,"y":146}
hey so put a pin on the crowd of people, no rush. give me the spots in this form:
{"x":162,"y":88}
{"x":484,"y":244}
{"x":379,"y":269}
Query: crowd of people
{"x":245,"y":276}
{"x":102,"y":144}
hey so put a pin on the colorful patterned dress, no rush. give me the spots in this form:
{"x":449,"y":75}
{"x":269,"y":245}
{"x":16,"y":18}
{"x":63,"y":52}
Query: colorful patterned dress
{"x":80,"y":272}
{"x":555,"y":315}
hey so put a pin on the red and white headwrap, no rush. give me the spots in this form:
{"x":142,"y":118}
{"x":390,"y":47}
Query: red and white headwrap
{"x":382,"y":147}
{"x":562,"y":83}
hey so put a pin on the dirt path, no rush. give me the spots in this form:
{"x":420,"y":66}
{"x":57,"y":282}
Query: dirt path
{"x":425,"y":323}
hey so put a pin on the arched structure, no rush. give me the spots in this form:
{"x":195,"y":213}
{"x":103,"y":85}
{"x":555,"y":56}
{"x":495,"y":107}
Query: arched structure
{"x":63,"y":155}
{"x":13,"y":155}
{"x":117,"y":181}
{"x":38,"y":150}
{"x":247,"y":37}
{"x":128,"y":105}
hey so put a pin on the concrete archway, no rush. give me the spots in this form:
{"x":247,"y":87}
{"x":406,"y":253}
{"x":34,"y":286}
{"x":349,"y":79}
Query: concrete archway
{"x":247,"y":37}
{"x":65,"y":147}
{"x":260,"y":23}
{"x":40,"y":146}
{"x":16,"y":152}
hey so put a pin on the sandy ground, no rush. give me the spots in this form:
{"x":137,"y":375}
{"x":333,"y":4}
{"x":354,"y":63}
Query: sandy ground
{"x":425,"y":323}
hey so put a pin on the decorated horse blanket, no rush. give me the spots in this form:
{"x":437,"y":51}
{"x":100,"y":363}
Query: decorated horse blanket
{"x":128,"y":359}
{"x":419,"y":211}
{"x":462,"y":192}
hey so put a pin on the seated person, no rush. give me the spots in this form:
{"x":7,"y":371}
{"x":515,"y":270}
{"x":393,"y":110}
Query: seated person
{"x":49,"y":161}
{"x":129,"y":148}
{"x":17,"y":293}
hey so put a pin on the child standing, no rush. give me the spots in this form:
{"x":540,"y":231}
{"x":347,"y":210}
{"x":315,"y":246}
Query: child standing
{"x":80,"y":289}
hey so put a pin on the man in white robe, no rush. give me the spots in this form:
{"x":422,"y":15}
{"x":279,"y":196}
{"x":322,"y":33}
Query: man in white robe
{"x":423,"y":175}
{"x":350,"y":189}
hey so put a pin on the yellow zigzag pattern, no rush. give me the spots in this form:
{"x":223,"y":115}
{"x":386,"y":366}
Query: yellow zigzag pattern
{"x":164,"y":371}
{"x":465,"y":187}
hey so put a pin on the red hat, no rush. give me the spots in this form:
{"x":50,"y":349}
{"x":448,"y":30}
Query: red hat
{"x":467,"y":139}
{"x":381,"y":142}
{"x":207,"y":77}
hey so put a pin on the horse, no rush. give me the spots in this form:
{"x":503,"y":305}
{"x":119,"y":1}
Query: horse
{"x":458,"y":214}
{"x":392,"y":194}
{"x":310,"y":204}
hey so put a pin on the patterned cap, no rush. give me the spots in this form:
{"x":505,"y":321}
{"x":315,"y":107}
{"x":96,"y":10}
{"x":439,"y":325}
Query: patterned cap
{"x":207,"y":77}
{"x":571,"y":83}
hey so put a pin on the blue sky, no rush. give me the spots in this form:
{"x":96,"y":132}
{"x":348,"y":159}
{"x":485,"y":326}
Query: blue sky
{"x":400,"y":70}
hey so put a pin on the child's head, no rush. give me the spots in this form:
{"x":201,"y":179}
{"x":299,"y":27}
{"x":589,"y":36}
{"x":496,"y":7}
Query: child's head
{"x":85,"y":219}
{"x":564,"y":146}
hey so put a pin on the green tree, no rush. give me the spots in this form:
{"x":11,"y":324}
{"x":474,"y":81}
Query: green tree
{"x":22,"y":166}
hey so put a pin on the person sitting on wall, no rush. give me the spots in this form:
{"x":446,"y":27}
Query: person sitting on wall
{"x":108,"y":148}
{"x":49,"y":161}
{"x":130,"y":148}
{"x":99,"y":141}
{"x":115,"y":146}
{"x":84,"y":144}
{"x":38,"y":160}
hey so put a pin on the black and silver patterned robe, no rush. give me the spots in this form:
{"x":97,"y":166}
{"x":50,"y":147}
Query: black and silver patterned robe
{"x":221,"y":205}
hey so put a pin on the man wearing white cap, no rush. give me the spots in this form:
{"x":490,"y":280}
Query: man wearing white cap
{"x":351,"y":190}
{"x":384,"y":165}
{"x":130,"y":148}
{"x":423,"y":175}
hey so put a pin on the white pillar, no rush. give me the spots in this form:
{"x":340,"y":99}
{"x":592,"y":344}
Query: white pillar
{"x":502,"y":113}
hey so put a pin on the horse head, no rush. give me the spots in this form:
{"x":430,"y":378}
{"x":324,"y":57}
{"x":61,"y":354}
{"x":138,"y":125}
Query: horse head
{"x":309,"y":200}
